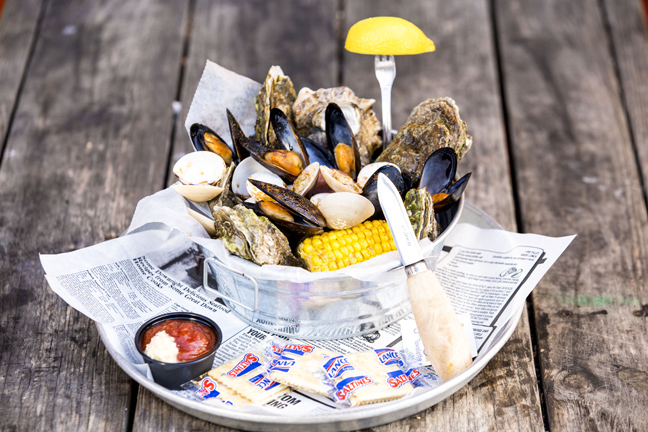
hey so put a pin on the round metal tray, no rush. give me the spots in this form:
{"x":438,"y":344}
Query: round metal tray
{"x":343,"y":419}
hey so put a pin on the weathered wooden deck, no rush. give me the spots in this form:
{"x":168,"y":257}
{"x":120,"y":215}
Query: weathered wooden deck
{"x":555,"y":94}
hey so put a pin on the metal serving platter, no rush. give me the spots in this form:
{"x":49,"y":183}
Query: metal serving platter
{"x":343,"y":419}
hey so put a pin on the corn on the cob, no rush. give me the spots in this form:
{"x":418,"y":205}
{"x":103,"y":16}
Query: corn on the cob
{"x":341,"y":248}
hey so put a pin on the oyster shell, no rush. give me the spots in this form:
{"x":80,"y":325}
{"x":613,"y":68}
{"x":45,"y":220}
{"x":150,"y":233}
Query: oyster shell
{"x":433,"y":124}
{"x":252,"y":237}
{"x":309,"y":111}
{"x":277,"y":92}
{"x":420,"y":209}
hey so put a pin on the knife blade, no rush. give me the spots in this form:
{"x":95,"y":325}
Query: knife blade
{"x":443,"y":338}
{"x":398,"y":221}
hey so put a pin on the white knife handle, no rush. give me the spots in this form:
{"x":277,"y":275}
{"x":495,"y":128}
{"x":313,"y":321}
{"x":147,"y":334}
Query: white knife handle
{"x":443,"y":338}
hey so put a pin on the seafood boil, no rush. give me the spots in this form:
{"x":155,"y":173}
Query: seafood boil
{"x":302,"y":191}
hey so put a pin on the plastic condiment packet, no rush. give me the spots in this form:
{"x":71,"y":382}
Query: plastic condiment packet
{"x":245,"y":375}
{"x":299,"y":366}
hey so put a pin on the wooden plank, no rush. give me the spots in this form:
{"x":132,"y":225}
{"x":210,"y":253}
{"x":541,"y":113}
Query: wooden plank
{"x":576,"y":173}
{"x":629,"y":36}
{"x":92,"y":128}
{"x":504,"y":396}
{"x":18,"y":22}
{"x":247,"y":37}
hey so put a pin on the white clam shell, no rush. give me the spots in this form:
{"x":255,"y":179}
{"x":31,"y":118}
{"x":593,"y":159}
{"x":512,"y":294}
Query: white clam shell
{"x":243,"y":171}
{"x":307,"y":179}
{"x":368,"y":170}
{"x":200,"y":168}
{"x":266,"y":177}
{"x":315,"y":199}
{"x":198,"y":193}
{"x":343,"y":210}
{"x":339,"y":181}
{"x":203,"y":220}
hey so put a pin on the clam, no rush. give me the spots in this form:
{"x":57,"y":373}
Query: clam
{"x":307,"y":179}
{"x":242,"y":172}
{"x":207,"y":223}
{"x":433,"y":124}
{"x":368,"y":170}
{"x":199,"y":172}
{"x":309,"y":115}
{"x":205,"y":139}
{"x":317,"y":198}
{"x":370,"y":190}
{"x":341,"y":142}
{"x":339,"y":181}
{"x":344,"y":210}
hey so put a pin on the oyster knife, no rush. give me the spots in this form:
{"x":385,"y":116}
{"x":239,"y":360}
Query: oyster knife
{"x":443,"y":338}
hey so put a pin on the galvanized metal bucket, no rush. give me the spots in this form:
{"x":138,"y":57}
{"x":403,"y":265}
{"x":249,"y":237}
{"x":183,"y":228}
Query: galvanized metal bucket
{"x":327,"y":308}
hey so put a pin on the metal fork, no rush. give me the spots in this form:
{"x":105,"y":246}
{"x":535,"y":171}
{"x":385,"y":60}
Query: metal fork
{"x":385,"y":72}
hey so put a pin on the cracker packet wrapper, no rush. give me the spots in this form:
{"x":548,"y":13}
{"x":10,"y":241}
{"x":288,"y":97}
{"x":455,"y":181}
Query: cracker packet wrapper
{"x":299,"y":366}
{"x":206,"y":389}
{"x":366,"y":377}
{"x":241,"y":381}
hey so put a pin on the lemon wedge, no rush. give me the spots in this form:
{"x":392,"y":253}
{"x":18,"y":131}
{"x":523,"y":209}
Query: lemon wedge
{"x":387,"y":36}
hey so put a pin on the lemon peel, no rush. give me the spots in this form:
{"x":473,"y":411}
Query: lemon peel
{"x":387,"y":36}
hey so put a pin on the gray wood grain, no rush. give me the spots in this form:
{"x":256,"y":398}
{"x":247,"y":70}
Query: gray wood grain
{"x":576,"y":173}
{"x":247,"y":37}
{"x":92,"y":128}
{"x":504,"y":396}
{"x":629,"y":38}
{"x":18,"y":25}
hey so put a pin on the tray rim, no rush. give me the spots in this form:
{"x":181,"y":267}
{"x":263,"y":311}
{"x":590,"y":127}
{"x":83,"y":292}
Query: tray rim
{"x":347,"y":419}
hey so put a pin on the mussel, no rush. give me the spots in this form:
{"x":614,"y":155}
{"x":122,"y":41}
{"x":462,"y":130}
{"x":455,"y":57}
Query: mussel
{"x":205,"y":139}
{"x":292,"y":212}
{"x":439,"y":172}
{"x":341,"y":141}
{"x":287,"y":164}
{"x":370,"y":190}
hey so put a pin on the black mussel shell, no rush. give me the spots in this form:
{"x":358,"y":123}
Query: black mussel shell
{"x":370,"y":190}
{"x":286,"y":134}
{"x":317,"y":153}
{"x":299,"y":226}
{"x":204,"y":138}
{"x":439,"y":170}
{"x":247,"y":147}
{"x":338,"y":131}
{"x":238,"y":137}
{"x":445,"y":218}
{"x":294,"y":202}
{"x":453,"y":194}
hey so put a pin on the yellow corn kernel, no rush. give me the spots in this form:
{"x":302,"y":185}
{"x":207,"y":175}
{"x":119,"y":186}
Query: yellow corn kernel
{"x":337,"y":249}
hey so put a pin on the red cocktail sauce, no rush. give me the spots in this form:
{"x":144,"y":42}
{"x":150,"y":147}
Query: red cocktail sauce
{"x":193,"y":339}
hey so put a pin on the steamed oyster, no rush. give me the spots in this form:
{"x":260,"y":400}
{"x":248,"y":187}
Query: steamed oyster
{"x":309,"y":113}
{"x":433,"y":124}
{"x":420,"y":209}
{"x":252,"y":237}
{"x":277,"y":92}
